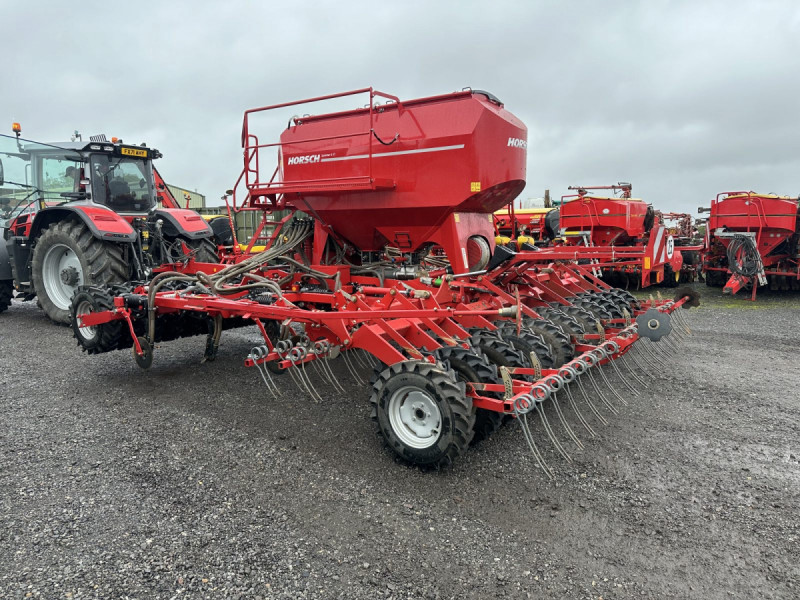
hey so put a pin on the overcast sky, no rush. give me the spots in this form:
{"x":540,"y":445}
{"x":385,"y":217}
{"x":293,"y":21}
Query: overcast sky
{"x":683,"y":99}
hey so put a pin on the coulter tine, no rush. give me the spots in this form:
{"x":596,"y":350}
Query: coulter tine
{"x":647,"y":356}
{"x":578,"y":413}
{"x":592,"y":407}
{"x":326,"y":367}
{"x":622,"y":378}
{"x":610,"y":386}
{"x":631,"y":370}
{"x":599,"y":392}
{"x":351,"y":368}
{"x":565,"y":424}
{"x":549,"y":431}
{"x":264,"y":376}
{"x":306,"y":382}
{"x":357,"y":359}
{"x":523,"y":423}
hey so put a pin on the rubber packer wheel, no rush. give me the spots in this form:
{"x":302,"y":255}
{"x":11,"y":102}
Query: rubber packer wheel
{"x":421,"y":413}
{"x":67,"y":256}
{"x":473,"y":366}
{"x":101,"y":338}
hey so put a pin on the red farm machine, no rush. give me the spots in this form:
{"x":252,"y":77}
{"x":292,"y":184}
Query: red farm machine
{"x":626,"y":241}
{"x":74,"y":214}
{"x":751,"y":240}
{"x":387,"y":261}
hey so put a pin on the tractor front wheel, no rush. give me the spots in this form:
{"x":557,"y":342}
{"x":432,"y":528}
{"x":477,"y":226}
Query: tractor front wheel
{"x":422,"y":413}
{"x":67,"y":256}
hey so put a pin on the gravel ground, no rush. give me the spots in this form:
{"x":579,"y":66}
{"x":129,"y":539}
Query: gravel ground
{"x":189,"y":481}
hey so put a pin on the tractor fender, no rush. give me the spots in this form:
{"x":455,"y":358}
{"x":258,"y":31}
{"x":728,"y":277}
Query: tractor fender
{"x":182,"y":222}
{"x":5,"y":262}
{"x":103,"y":222}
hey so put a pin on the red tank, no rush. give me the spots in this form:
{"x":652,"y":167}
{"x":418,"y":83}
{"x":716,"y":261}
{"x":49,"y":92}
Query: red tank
{"x":405,"y":174}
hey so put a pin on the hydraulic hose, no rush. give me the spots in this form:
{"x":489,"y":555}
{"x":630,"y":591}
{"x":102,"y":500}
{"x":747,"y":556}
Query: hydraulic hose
{"x":748,"y":263}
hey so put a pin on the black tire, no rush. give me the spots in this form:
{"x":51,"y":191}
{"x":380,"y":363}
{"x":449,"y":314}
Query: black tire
{"x":560,"y":345}
{"x":526,"y":342}
{"x":223,"y":234}
{"x":593,"y":307}
{"x":453,"y":431}
{"x":566,"y":322}
{"x":205,"y":250}
{"x":671,"y":278}
{"x":6,"y":293}
{"x":500,"y":352}
{"x":587,"y":320}
{"x":89,"y":262}
{"x":101,"y":338}
{"x":470,"y":366}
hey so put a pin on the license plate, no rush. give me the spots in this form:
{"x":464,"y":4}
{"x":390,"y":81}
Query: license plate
{"x":133,"y":152}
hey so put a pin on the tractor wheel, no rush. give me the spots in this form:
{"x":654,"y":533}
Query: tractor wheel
{"x":422,"y":413}
{"x":560,"y":345}
{"x":6,"y":293}
{"x":470,"y":366}
{"x":100,"y":338}
{"x":205,"y":250}
{"x":67,"y":256}
{"x":671,"y":278}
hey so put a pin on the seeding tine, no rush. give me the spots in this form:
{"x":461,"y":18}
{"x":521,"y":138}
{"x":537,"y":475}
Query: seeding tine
{"x":682,"y":321}
{"x":330,"y":376}
{"x":565,"y":424}
{"x":313,"y":390}
{"x":358,"y":359}
{"x":599,"y":392}
{"x":648,"y":357}
{"x":593,"y":408}
{"x":351,"y":368}
{"x":622,"y":378}
{"x":581,"y":418}
{"x":305,"y":382}
{"x":549,"y":431}
{"x":523,"y":422}
{"x":371,"y":362}
{"x":611,"y":387}
{"x":642,"y":382}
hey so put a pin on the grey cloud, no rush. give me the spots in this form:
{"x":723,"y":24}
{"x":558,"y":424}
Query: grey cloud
{"x":685,"y":99}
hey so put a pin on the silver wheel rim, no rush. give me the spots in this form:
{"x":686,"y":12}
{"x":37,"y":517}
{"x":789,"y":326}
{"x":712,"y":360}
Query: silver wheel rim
{"x":84,"y":308}
{"x":415,"y":418}
{"x":58,"y":258}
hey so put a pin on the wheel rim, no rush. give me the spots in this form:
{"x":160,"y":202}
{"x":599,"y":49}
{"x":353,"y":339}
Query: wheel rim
{"x":85,"y":307}
{"x":60,"y":262}
{"x":415,"y":417}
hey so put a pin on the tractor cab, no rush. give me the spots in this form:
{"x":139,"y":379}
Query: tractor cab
{"x":39,"y":175}
{"x":75,"y":214}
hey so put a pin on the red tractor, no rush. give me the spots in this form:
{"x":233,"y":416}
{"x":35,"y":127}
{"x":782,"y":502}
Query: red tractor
{"x":392,"y":267}
{"x":752,"y":239}
{"x":75,"y":214}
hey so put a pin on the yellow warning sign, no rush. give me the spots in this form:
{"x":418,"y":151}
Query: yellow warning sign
{"x":475,"y":186}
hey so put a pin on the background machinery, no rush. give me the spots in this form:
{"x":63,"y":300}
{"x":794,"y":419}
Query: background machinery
{"x":97,"y":213}
{"x":752,"y":239}
{"x":387,"y":261}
